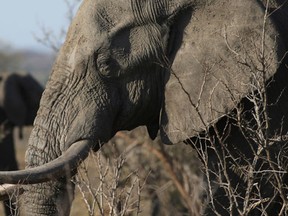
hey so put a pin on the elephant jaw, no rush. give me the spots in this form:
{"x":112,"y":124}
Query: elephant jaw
{"x":53,"y":170}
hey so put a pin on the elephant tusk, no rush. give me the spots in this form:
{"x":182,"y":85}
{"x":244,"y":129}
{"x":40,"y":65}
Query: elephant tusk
{"x":8,"y":190}
{"x":60,"y":167}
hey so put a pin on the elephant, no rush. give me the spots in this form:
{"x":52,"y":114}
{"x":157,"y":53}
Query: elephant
{"x":19,"y":101}
{"x":175,"y":66}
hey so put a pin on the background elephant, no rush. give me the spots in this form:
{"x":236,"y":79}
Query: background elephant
{"x":174,"y":66}
{"x":19,"y":102}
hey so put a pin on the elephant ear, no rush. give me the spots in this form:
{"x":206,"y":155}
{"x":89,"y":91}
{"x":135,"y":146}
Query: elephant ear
{"x":224,"y":47}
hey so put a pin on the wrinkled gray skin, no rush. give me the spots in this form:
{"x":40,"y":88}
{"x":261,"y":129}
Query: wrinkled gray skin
{"x":19,"y":101}
{"x":167,"y":64}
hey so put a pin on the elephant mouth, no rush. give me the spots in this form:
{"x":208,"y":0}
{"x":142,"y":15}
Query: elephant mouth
{"x":53,"y":170}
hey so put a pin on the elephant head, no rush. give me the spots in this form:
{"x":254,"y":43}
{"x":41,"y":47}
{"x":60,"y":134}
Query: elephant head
{"x":167,"y":64}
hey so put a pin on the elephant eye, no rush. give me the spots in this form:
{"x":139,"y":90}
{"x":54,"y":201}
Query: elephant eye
{"x":107,"y":66}
{"x":103,"y":65}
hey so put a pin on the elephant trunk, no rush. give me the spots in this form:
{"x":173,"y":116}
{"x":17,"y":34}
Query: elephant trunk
{"x":49,"y":198}
{"x":52,"y":197}
{"x":55,"y":144}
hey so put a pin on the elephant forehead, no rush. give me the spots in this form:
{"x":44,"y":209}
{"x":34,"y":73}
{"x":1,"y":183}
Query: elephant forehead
{"x":108,"y":17}
{"x":99,"y":22}
{"x":109,"y":14}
